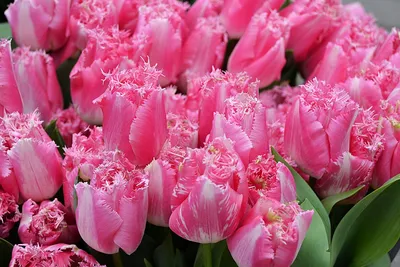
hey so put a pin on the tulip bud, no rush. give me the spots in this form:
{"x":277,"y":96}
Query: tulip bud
{"x":277,"y":228}
{"x":37,"y":82}
{"x":55,"y":255}
{"x":40,"y":24}
{"x":47,"y":224}
{"x":112,"y":209}
{"x":261,"y":50}
{"x":9,"y":213}
{"x":236,"y":14}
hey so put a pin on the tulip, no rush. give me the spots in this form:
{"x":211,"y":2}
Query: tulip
{"x":37,"y":82}
{"x":365,"y":92}
{"x":261,"y":50}
{"x":82,"y":158}
{"x":132,"y":106}
{"x":55,"y":255}
{"x":40,"y":25}
{"x":68,"y":123}
{"x":35,"y":169}
{"x":112,"y":209}
{"x":236,"y":14}
{"x":211,"y":194}
{"x":208,"y":95}
{"x":389,"y":47}
{"x":163,"y":24}
{"x":204,"y":48}
{"x":9,"y":213}
{"x":10,"y":100}
{"x":387,"y":166}
{"x":279,"y":229}
{"x":46,"y":224}
{"x":312,"y":21}
{"x":104,"y":52}
{"x":203,"y":9}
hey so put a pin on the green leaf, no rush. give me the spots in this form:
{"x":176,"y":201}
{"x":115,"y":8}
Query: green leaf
{"x":5,"y":30}
{"x":147,"y":263}
{"x":63,"y":72}
{"x":52,"y":131}
{"x":382,"y":262}
{"x":370,"y":229}
{"x":5,"y":252}
{"x":287,"y":3}
{"x":313,"y":250}
{"x":304,"y":192}
{"x":164,"y":254}
{"x":204,"y":256}
{"x":329,"y":202}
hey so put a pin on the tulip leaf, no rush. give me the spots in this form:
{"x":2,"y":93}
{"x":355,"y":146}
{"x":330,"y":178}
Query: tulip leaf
{"x":331,"y":201}
{"x":382,"y":262}
{"x":304,"y":191}
{"x":370,"y":229}
{"x":147,"y":263}
{"x":5,"y":252}
{"x":313,"y":250}
{"x":54,"y":133}
{"x":5,"y":30}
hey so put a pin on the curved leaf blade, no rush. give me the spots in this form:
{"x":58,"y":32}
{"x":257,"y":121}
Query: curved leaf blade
{"x":331,"y":201}
{"x":5,"y":252}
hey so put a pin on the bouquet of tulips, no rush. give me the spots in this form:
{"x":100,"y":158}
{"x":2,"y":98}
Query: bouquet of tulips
{"x":209,"y":133}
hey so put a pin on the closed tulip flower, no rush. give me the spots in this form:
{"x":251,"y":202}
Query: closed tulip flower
{"x":34,"y":169}
{"x":47,"y":224}
{"x":37,"y":82}
{"x":40,"y":24}
{"x":261,"y":50}
{"x":112,"y":208}
{"x":279,"y":229}
{"x":9,"y":213}
{"x":236,"y":14}
{"x":210,"y":197}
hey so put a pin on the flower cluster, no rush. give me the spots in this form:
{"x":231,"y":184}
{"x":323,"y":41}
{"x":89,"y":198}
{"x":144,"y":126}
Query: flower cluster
{"x":174,"y":112}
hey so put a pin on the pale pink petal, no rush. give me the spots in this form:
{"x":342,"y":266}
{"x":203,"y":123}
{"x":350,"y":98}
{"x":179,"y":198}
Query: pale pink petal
{"x":288,"y":186}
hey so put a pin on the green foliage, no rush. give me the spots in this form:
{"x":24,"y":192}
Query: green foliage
{"x":54,"y":133}
{"x":5,"y":252}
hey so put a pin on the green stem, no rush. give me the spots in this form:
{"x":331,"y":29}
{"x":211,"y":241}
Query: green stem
{"x":117,"y":260}
{"x":207,"y":255}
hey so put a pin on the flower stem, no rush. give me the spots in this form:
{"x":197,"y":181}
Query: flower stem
{"x":117,"y":260}
{"x":207,"y":255}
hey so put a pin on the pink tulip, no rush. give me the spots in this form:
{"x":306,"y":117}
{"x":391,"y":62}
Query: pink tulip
{"x":365,"y":92}
{"x":387,"y":166}
{"x":389,"y":47}
{"x":211,"y":193}
{"x":35,"y":169}
{"x":68,"y":123}
{"x":163,"y":24}
{"x":10,"y":100}
{"x":112,"y":209}
{"x":133,"y":107}
{"x":182,"y":131}
{"x":236,"y":14}
{"x":82,"y":158}
{"x":279,"y":229}
{"x":47,"y":224}
{"x":261,"y":50}
{"x":9,"y":213}
{"x":37,"y":82}
{"x":208,"y":94}
{"x":312,"y":21}
{"x":104,"y":52}
{"x":40,"y":25}
{"x":244,"y":122}
{"x":203,"y":9}
{"x":55,"y":255}
{"x":204,"y":48}
{"x":266,"y":178}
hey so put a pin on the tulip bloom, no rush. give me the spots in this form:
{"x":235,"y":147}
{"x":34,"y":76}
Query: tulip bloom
{"x":208,"y":94}
{"x":9,"y":213}
{"x":311,"y":21}
{"x":104,"y":52}
{"x":389,"y":47}
{"x":112,"y":209}
{"x":163,"y":24}
{"x":203,"y":9}
{"x":210,"y":197}
{"x":37,"y":82}
{"x":47,"y":224}
{"x":34,"y":169}
{"x":204,"y":48}
{"x":261,"y":50}
{"x":10,"y":100}
{"x":40,"y":24}
{"x":236,"y":14}
{"x":55,"y":255}
{"x":279,"y":229}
